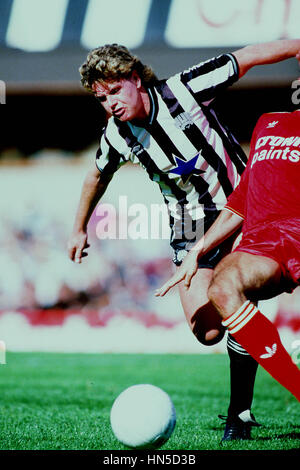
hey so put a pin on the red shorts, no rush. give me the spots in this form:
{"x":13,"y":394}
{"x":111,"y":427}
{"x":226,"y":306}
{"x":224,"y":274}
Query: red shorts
{"x":278,"y":240}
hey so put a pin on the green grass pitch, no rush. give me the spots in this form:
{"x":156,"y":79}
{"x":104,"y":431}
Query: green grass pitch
{"x":55,"y":401}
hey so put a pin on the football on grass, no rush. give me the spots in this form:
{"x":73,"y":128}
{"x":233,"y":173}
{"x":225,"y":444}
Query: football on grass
{"x":143,"y":417}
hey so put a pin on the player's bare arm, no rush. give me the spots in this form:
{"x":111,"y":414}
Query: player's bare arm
{"x":92,"y":190}
{"x":266,"y":53}
{"x":223,"y":227}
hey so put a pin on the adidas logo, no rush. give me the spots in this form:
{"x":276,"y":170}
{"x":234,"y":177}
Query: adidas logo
{"x":272,"y":124}
{"x":270,"y":351}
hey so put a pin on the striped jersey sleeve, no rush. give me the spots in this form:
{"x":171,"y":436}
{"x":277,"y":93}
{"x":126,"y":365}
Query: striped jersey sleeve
{"x":208,"y":78}
{"x":108,"y":159}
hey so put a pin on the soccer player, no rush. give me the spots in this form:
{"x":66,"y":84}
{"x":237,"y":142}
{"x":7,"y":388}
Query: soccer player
{"x":266,"y":262}
{"x":171,"y":129}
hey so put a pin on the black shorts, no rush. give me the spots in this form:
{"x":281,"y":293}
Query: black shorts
{"x":210,"y":259}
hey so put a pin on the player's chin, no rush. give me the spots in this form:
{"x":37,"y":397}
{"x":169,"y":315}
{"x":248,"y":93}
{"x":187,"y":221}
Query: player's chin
{"x":123,"y":116}
{"x":129,"y":114}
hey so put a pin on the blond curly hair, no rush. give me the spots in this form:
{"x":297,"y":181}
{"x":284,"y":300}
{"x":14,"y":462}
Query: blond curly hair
{"x":112,"y":62}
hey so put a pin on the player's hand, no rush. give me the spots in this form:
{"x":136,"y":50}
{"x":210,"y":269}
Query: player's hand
{"x":76,"y":246}
{"x":184,"y":273}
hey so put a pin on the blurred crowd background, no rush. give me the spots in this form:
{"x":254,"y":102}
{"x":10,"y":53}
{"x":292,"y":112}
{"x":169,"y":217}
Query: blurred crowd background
{"x":36,"y":272}
{"x":49,"y":137}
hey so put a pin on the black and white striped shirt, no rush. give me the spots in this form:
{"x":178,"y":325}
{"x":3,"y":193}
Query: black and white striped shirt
{"x":184,"y":148}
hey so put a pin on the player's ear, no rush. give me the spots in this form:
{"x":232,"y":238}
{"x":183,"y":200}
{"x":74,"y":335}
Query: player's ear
{"x":136,"y":78}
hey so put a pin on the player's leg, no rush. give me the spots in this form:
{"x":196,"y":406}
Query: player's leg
{"x":201,"y":315}
{"x":205,"y":322}
{"x":239,"y":278}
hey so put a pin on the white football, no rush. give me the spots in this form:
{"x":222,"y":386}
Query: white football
{"x":143,"y":417}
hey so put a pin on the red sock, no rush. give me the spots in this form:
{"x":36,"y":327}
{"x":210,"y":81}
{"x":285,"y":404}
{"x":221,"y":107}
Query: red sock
{"x":261,"y":339}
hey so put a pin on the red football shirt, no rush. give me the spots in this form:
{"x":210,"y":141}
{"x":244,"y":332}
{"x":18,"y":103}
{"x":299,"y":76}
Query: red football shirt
{"x":270,"y":185}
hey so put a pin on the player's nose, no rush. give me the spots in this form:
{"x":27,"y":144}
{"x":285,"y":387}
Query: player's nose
{"x":111,"y":101}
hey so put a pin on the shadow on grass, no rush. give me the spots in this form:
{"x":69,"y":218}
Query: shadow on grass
{"x":293,"y":435}
{"x":289,"y":435}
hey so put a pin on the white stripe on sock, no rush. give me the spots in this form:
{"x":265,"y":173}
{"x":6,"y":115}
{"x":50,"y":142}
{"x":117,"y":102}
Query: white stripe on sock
{"x":236,"y":347}
{"x":242,"y":313}
{"x":245,"y":321}
{"x":240,"y":318}
{"x":235,"y":315}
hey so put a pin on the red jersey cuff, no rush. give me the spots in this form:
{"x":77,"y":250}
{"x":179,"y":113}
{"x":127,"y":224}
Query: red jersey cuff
{"x":231,"y":209}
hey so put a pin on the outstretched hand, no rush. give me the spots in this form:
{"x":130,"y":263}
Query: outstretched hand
{"x":76,"y":246}
{"x":184,"y":273}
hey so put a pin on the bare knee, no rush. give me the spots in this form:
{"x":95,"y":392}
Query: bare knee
{"x":218,"y":293}
{"x":211,"y":337}
{"x":206,"y":325}
{"x":225,"y":293}
{"x":201,"y":315}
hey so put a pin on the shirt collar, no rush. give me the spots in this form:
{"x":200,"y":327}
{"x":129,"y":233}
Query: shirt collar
{"x":152,"y":106}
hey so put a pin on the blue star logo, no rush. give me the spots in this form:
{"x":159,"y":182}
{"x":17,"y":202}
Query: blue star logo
{"x":186,"y":169}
